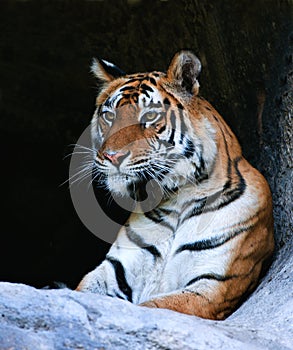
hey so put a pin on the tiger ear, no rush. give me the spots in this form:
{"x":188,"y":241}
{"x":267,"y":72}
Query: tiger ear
{"x":184,"y":69}
{"x":105,"y":71}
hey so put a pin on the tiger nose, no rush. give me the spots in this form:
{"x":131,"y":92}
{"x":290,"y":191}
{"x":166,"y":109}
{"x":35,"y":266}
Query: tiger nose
{"x":114,"y":157}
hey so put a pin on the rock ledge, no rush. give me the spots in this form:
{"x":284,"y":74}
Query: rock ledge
{"x":64,"y":319}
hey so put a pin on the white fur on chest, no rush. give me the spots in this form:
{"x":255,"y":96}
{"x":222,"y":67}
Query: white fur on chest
{"x":149,"y":277}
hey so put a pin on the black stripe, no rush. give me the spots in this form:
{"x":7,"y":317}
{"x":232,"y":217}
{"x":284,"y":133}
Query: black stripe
{"x":135,"y":96}
{"x":153,"y":250}
{"x":201,"y":171}
{"x":212,"y":243}
{"x":120,"y":277}
{"x":146,"y":87}
{"x":107,"y":103}
{"x":167,"y":102}
{"x":118,"y":296}
{"x":137,"y":239}
{"x":134,"y":80}
{"x":123,"y":101}
{"x":145,"y":93}
{"x":167,"y":211}
{"x":127,"y":88}
{"x":201,"y":161}
{"x":182,"y":123}
{"x":153,"y":81}
{"x":189,"y":149}
{"x":216,"y":119}
{"x":173,"y":126}
{"x":210,"y":276}
{"x":140,"y":161}
{"x":231,"y":194}
{"x":241,"y":186}
{"x":163,"y":128}
{"x":202,"y":205}
{"x":226,"y":196}
{"x":155,"y":216}
{"x":229,"y":163}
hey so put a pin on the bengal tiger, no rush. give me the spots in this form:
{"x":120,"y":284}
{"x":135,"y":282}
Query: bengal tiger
{"x":201,"y":248}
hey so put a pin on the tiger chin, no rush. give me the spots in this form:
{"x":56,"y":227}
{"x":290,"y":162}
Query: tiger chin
{"x":202,"y":243}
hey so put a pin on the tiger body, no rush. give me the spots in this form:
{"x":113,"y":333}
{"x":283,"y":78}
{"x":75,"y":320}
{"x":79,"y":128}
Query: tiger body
{"x":201,"y":248}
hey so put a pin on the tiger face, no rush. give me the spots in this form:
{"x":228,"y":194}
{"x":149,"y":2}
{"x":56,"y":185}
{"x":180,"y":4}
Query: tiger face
{"x":142,"y":132}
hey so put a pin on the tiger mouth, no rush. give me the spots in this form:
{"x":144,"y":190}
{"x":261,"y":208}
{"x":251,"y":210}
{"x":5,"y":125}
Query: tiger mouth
{"x":137,"y":178}
{"x":122,"y":177}
{"x":143,"y":174}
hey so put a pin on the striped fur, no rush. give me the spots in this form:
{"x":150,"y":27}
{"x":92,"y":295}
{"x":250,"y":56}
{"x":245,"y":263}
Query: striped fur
{"x":201,"y":249}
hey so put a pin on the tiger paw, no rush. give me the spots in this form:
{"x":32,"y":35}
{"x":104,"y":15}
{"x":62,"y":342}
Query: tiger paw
{"x":150,"y":303}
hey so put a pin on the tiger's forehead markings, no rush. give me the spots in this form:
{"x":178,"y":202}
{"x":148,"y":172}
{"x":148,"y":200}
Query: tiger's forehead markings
{"x":141,"y":89}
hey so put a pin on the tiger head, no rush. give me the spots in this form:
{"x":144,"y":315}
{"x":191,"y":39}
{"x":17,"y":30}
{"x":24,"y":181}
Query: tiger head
{"x":146,"y":127}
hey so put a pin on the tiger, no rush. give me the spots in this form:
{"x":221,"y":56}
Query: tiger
{"x":199,"y":247}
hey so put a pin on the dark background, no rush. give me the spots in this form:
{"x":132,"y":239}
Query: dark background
{"x":47,"y":98}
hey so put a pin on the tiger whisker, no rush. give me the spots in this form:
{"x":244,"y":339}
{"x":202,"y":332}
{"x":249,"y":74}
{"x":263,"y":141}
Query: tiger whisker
{"x":81,"y":178}
{"x":76,"y":145}
{"x":80,"y":152}
{"x":85,"y":170}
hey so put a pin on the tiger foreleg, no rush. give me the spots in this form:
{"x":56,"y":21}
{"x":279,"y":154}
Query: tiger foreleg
{"x":191,"y":303}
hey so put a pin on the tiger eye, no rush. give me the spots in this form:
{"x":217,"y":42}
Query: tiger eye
{"x":150,"y":116}
{"x":109,"y":116}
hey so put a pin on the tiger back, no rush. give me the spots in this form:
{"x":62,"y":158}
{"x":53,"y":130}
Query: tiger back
{"x":202,"y":228}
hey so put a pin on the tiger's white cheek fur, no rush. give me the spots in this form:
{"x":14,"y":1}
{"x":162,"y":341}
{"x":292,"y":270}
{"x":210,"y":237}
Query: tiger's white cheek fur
{"x":95,"y":131}
{"x":209,"y":142}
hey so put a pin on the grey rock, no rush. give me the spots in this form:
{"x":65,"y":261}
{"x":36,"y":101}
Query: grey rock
{"x":64,"y":319}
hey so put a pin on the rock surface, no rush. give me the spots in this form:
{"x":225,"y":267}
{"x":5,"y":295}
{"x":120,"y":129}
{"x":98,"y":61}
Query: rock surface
{"x":63,"y":319}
